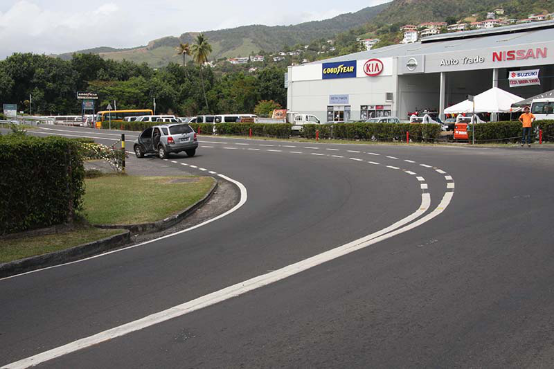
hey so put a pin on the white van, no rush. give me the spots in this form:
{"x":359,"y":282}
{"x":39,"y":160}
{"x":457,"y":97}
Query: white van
{"x":232,"y":118}
{"x":153,"y":118}
{"x":543,"y":108}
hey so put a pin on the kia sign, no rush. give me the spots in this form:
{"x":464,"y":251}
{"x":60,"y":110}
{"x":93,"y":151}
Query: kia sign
{"x":373,"y":67}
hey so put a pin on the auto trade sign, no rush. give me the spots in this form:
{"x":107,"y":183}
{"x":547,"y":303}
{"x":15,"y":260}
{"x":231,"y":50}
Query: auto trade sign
{"x":524,"y":78}
{"x":345,"y":69}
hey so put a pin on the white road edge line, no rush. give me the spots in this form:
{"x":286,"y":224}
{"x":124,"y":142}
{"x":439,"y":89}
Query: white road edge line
{"x":242,"y":201}
{"x":241,"y":287}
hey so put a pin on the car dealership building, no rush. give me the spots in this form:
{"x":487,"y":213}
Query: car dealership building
{"x":430,"y":75}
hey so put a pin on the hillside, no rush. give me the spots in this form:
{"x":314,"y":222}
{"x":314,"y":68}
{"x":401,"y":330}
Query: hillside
{"x":241,"y":41}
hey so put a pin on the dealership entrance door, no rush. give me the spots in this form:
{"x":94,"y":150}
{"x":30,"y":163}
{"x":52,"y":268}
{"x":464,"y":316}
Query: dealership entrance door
{"x":338,"y":113}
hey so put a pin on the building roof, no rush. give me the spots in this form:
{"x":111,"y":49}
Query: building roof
{"x":460,"y":41}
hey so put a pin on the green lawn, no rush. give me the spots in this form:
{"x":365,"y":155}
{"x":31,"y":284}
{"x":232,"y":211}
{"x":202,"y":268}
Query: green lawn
{"x":39,"y":245}
{"x":117,"y":199}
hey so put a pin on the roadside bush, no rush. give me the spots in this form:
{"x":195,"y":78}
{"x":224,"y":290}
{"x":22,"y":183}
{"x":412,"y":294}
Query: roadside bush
{"x":258,"y":129}
{"x":42,"y":182}
{"x":510,"y":131}
{"x":373,"y":131}
{"x":203,"y":128}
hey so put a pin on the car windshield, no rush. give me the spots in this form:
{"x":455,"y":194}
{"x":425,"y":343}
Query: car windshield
{"x":546,"y":107}
{"x":180,"y":129}
{"x":372,"y":120}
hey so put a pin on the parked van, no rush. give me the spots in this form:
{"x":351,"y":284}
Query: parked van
{"x":232,"y":118}
{"x":543,"y":108}
{"x":153,"y":118}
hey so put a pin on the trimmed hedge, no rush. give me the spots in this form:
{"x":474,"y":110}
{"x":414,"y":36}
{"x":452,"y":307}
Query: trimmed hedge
{"x":42,"y":181}
{"x":373,"y":131}
{"x":510,"y":131}
{"x":131,"y":126}
{"x":258,"y":129}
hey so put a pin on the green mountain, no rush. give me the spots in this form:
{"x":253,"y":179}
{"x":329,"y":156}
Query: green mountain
{"x":241,"y":41}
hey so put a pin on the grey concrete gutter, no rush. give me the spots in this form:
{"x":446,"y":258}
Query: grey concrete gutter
{"x":64,"y":256}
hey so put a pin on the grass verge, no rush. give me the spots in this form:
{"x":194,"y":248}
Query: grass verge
{"x":21,"y":248}
{"x":117,"y":199}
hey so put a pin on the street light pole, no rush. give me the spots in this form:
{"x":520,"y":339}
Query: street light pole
{"x":30,"y":104}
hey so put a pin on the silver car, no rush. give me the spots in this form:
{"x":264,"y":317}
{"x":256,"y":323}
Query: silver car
{"x":165,"y":139}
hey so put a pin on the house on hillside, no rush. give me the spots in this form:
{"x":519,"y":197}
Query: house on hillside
{"x":491,"y":23}
{"x":257,"y":58}
{"x":521,"y":21}
{"x":499,"y":11}
{"x":369,"y":43}
{"x":429,"y":32}
{"x":408,"y":27}
{"x":410,"y":37}
{"x":278,"y":58}
{"x":477,"y":25}
{"x":457,"y":27}
{"x":537,"y":18}
{"x":237,"y":61}
{"x":433,"y":25}
{"x":491,"y":15}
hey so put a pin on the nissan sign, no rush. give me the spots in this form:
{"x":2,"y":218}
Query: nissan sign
{"x":373,"y":67}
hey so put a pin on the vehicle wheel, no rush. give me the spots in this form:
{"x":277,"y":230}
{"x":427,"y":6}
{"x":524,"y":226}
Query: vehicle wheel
{"x":138,"y":152}
{"x":162,"y":153}
{"x":191,"y":152}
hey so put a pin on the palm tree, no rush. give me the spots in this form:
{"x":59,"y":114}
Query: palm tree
{"x":183,"y":49}
{"x":200,"y":51}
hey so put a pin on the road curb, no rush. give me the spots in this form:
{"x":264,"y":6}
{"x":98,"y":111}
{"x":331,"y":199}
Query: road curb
{"x":97,"y":247}
{"x":166,"y":223}
{"x":63,"y":256}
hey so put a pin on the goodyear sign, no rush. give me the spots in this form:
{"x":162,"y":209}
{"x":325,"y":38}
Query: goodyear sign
{"x":345,"y":69}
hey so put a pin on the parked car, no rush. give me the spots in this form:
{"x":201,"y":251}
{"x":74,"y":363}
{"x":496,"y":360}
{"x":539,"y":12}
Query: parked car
{"x":165,"y":139}
{"x":152,"y":118}
{"x":168,"y":120}
{"x":450,"y":123}
{"x":383,"y":120}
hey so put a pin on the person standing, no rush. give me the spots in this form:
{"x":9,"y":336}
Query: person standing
{"x":526,"y":120}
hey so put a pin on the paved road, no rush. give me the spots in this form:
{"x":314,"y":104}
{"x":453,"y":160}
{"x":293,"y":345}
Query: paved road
{"x":469,"y":285}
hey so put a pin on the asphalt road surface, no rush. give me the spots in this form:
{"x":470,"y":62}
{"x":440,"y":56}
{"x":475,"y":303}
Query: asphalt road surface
{"x":339,"y":256}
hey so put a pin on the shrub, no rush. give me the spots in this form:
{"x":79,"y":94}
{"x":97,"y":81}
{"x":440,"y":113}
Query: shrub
{"x":203,"y":128}
{"x":41,"y":183}
{"x":373,"y":131}
{"x":509,"y":131}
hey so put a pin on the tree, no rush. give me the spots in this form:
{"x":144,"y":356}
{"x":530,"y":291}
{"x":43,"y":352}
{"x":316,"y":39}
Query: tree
{"x":265,"y":107}
{"x":200,"y":51}
{"x":184,"y":50}
{"x":450,"y":20}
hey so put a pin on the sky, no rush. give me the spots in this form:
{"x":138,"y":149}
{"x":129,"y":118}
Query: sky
{"x":58,"y":26}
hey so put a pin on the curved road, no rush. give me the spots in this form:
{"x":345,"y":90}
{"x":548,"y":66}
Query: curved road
{"x":460,"y":283}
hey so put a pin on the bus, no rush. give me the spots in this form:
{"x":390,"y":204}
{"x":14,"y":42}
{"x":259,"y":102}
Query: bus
{"x":118,"y":116}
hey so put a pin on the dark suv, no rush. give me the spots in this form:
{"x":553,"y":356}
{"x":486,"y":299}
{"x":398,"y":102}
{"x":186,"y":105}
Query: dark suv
{"x":165,"y":139}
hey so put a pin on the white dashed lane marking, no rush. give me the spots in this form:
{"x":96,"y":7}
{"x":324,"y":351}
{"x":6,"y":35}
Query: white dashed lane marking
{"x":450,"y":185}
{"x":421,"y":179}
{"x":314,"y":153}
{"x":425,"y":166}
{"x":440,"y":171}
{"x":391,"y":167}
{"x":356,"y":159}
{"x":392,"y":157}
{"x":230,"y":148}
{"x":373,"y":162}
{"x":448,"y":178}
{"x":424,"y":186}
{"x":372,"y":153}
{"x":409,"y":161}
{"x":275,"y":150}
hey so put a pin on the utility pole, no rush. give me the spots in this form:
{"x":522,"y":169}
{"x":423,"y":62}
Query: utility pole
{"x":30,"y":104}
{"x":154,"y":105}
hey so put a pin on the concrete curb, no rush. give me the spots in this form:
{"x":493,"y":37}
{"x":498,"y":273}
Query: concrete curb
{"x":97,"y":247}
{"x":63,"y":256}
{"x":165,"y":223}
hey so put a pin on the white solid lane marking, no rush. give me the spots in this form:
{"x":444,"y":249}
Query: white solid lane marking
{"x":81,"y":135}
{"x":421,"y":179}
{"x":275,"y":150}
{"x":391,"y":167}
{"x":237,"y":289}
{"x":440,"y":171}
{"x":448,"y":178}
{"x":424,"y":186}
{"x":373,"y":162}
{"x":450,"y":185}
{"x":409,"y":161}
{"x":425,"y":165}
{"x":392,"y":157}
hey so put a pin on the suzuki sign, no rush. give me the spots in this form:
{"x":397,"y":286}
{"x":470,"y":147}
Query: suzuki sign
{"x":373,"y":67}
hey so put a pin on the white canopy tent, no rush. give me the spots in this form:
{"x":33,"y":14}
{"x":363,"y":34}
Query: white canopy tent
{"x":494,"y":100}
